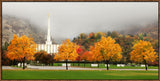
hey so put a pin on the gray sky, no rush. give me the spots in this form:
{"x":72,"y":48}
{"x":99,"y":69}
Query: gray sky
{"x":68,"y":19}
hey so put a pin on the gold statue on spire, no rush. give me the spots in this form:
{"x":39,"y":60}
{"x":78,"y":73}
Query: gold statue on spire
{"x":48,"y":14}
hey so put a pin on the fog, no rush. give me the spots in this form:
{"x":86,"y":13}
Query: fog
{"x":68,"y":19}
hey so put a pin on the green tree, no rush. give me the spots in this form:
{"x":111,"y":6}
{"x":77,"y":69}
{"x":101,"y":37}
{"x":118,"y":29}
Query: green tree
{"x":114,"y":34}
{"x":141,"y":37}
{"x":83,"y":36}
{"x":109,"y":33}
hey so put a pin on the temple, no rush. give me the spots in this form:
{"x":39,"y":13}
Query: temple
{"x":48,"y":47}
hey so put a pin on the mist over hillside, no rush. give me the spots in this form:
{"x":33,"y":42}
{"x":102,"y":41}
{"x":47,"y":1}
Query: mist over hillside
{"x":150,"y":28}
{"x":13,"y":25}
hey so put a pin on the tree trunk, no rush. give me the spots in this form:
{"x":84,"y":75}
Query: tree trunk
{"x":12,"y":62}
{"x":107,"y":65}
{"x":66,"y":64}
{"x":78,"y":63}
{"x":23,"y":63}
{"x":98,"y":65}
{"x":145,"y":65}
{"x":52,"y":63}
{"x":20,"y":64}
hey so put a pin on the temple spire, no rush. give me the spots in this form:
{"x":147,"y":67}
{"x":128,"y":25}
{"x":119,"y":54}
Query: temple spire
{"x":48,"y":35}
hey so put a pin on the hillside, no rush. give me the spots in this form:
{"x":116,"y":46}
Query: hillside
{"x":12,"y":25}
{"x":151,"y":29}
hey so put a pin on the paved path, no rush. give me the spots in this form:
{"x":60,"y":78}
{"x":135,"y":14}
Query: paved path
{"x":76,"y":68}
{"x":64,"y":68}
{"x":136,"y":69}
{"x":9,"y":67}
{"x":59,"y":68}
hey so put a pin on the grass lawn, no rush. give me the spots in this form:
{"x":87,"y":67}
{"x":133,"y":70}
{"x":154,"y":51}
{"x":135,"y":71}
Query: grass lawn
{"x":84,"y":74}
{"x":111,"y":66}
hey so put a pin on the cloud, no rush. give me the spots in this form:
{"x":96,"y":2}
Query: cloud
{"x":68,"y":19}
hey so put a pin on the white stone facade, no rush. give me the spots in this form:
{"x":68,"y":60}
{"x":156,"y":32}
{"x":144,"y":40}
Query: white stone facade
{"x":49,"y":48}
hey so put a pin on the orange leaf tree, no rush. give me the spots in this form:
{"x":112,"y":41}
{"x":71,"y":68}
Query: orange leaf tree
{"x":143,"y":52}
{"x":21,"y":48}
{"x":86,"y":56}
{"x":67,"y":51}
{"x":106,"y":50}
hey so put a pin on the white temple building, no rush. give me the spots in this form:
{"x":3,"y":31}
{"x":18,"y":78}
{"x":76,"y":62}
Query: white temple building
{"x":48,"y":47}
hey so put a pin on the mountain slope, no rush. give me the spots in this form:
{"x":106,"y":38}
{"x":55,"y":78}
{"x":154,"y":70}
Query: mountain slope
{"x":151,"y":29}
{"x":12,"y":25}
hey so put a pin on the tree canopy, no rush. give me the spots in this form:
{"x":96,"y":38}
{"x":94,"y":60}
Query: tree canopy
{"x":21,"y":47}
{"x":67,"y":51}
{"x":143,"y":51}
{"x":106,"y":50}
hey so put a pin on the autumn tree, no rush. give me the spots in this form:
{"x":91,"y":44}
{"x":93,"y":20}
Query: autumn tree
{"x":43,"y":57}
{"x":86,"y":56}
{"x":106,"y":50}
{"x":80,"y":52}
{"x":126,"y":42}
{"x":21,"y":48}
{"x":143,"y":52}
{"x":67,"y":51}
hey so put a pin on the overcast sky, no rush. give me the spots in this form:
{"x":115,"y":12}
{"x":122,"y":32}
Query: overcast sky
{"x":68,"y":19}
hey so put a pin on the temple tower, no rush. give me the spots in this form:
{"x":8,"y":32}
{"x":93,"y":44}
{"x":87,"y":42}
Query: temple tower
{"x":48,"y":47}
{"x":49,"y":42}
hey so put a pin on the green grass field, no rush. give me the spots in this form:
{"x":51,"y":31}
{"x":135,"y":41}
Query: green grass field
{"x":111,"y":66}
{"x":63,"y":74}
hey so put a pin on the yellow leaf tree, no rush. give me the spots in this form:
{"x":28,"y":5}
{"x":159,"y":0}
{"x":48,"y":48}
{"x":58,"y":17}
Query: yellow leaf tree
{"x":67,"y":51}
{"x":143,"y":52}
{"x":106,"y":50}
{"x":21,"y":48}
